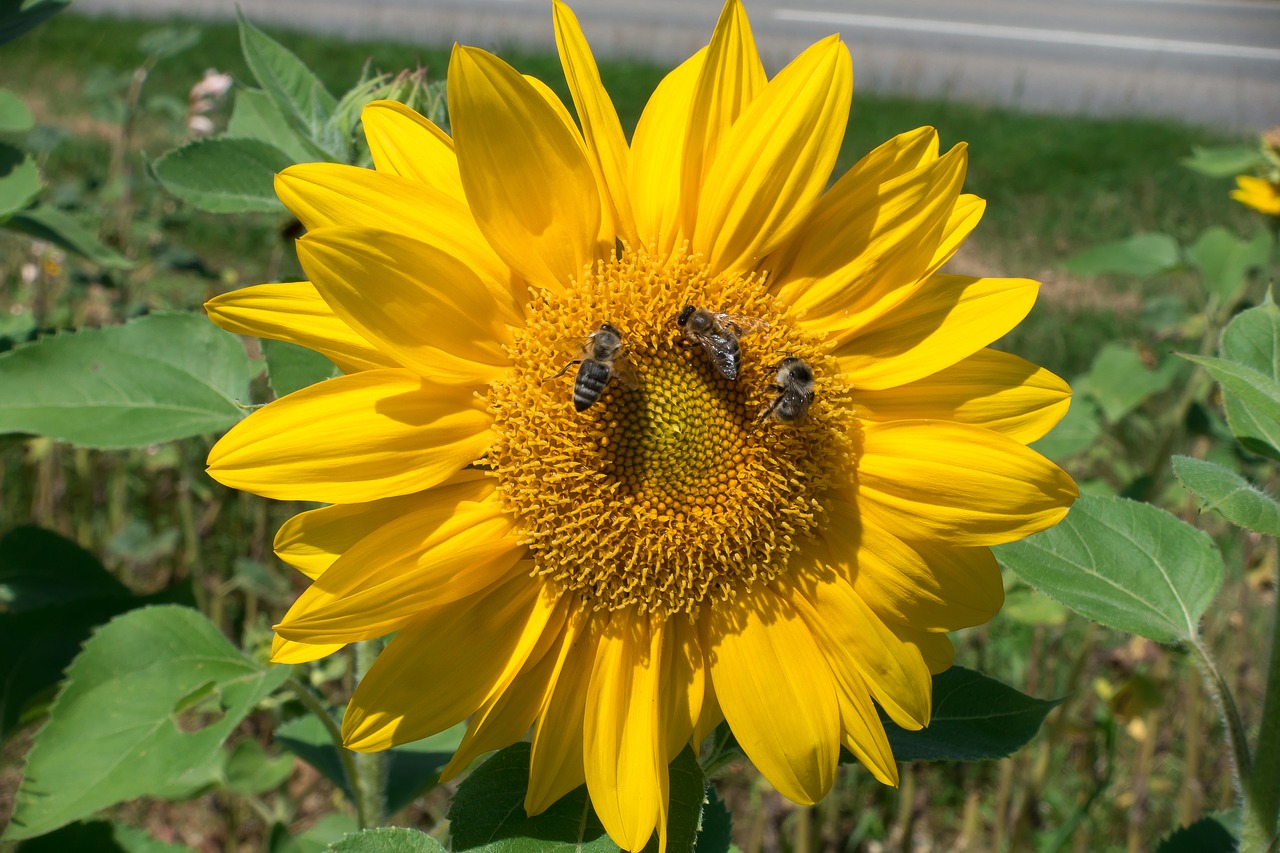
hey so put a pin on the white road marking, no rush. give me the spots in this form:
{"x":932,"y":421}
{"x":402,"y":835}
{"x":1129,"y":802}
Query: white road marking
{"x":997,"y":31}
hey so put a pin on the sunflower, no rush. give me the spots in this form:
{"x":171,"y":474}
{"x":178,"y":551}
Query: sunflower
{"x":634,"y":438}
{"x":1259,"y":193}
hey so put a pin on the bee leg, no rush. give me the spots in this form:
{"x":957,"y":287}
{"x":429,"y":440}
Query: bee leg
{"x":564,"y":370}
{"x":773,"y":404}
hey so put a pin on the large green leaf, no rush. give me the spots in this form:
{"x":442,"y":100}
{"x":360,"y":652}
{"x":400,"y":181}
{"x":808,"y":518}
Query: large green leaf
{"x":1227,"y":492}
{"x":1225,"y":260}
{"x":52,"y":594}
{"x":1253,"y":403}
{"x":145,"y":706}
{"x":1140,"y":255}
{"x":19,"y":180}
{"x":1124,"y":564}
{"x":1252,"y":338}
{"x":974,"y":718}
{"x":291,"y":367}
{"x":256,"y":116}
{"x":488,"y":811}
{"x":388,"y":839}
{"x":224,"y":175}
{"x":1207,"y":835}
{"x":14,"y":115}
{"x":48,"y":223}
{"x":1224,"y":161}
{"x":299,"y":95}
{"x":18,"y":16}
{"x":160,"y":378}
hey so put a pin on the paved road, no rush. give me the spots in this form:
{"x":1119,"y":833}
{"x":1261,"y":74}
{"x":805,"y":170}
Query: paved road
{"x":1212,"y":62}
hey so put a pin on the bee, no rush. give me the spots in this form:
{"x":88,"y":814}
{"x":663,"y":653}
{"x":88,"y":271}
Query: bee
{"x":718,"y":335}
{"x":599,"y":362}
{"x":793,"y":392}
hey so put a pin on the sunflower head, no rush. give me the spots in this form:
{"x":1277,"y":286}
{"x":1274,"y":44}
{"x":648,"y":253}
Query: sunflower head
{"x":639,"y":435}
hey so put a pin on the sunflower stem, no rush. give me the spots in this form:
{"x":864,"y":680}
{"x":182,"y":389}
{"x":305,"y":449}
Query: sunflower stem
{"x":370,"y":767}
{"x":1262,"y":785}
{"x":1237,"y":737}
{"x":346,"y":756}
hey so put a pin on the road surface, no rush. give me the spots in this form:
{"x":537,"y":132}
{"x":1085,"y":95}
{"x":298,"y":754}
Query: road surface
{"x":1209,"y":62}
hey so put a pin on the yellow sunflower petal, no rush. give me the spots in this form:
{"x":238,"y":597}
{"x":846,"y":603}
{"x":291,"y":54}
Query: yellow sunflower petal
{"x":410,"y":145}
{"x":445,"y":551}
{"x":297,"y":313}
{"x":865,"y":249}
{"x":948,"y":318}
{"x":853,"y":639}
{"x":601,"y":130}
{"x":525,"y":173}
{"x":507,"y":715}
{"x":658,"y":142}
{"x":989,"y":388}
{"x":683,"y":682}
{"x":710,"y":715}
{"x":622,"y":738}
{"x":933,"y":588}
{"x":863,"y":734}
{"x":774,"y":161}
{"x":1259,"y":193}
{"x":289,"y":651}
{"x":357,"y":438}
{"x":414,"y":689}
{"x":730,"y":78}
{"x":968,"y":486}
{"x":392,"y":288}
{"x":936,"y":649}
{"x":556,"y":764}
{"x":964,"y":217}
{"x":776,"y":691}
{"x":310,"y":541}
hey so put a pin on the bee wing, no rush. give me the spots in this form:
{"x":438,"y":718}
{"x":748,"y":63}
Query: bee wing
{"x":625,"y":373}
{"x":573,"y":347}
{"x":742,"y":325}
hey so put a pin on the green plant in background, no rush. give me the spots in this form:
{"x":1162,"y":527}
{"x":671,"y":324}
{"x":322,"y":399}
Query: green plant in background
{"x":133,"y":719}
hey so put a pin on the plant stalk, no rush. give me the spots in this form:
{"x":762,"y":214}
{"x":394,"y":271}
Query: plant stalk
{"x":369,"y":766}
{"x":1237,"y":737}
{"x":1262,"y":784}
{"x":346,"y":756}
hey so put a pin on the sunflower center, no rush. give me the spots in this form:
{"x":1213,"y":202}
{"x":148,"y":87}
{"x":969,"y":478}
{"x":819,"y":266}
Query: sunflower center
{"x":644,"y":474}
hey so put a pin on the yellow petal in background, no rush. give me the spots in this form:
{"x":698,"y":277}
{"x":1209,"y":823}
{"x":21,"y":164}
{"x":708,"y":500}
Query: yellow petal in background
{"x":601,"y":130}
{"x":993,"y":389}
{"x":774,"y":161}
{"x":622,"y":737}
{"x":406,"y":143}
{"x":556,"y":755}
{"x":729,"y":79}
{"x":776,"y":691}
{"x":658,"y":142}
{"x":863,"y":734}
{"x":948,"y":318}
{"x":684,"y":681}
{"x":860,"y":255}
{"x":525,"y":174}
{"x":936,"y":649}
{"x":415,"y":689}
{"x":310,"y":541}
{"x":289,"y":651}
{"x":356,"y":438}
{"x":968,"y":486}
{"x":419,"y":304}
{"x":964,"y":217}
{"x":297,"y":313}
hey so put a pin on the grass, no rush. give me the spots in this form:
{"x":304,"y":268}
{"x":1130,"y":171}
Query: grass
{"x":1054,"y":186}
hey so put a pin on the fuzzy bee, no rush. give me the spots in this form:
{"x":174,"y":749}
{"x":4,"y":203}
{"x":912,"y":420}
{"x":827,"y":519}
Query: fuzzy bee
{"x":718,"y":336}
{"x":792,"y":388}
{"x":600,"y":361}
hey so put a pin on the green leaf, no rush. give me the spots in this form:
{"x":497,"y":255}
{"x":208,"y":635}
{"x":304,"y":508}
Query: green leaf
{"x":1253,"y":403}
{"x":717,"y":824}
{"x":1075,"y":433}
{"x":48,"y":223}
{"x":1207,"y":835}
{"x":100,"y":836}
{"x":251,"y":771}
{"x":290,"y":367}
{"x":1230,"y":494}
{"x":1252,"y":338}
{"x":1141,"y":255}
{"x":296,"y":91}
{"x":1224,"y":161}
{"x":388,"y":839}
{"x":169,"y":41}
{"x":150,"y":700}
{"x":1124,"y":564}
{"x":18,"y":16}
{"x":52,"y":594}
{"x":974,"y":718}
{"x":224,"y":175}
{"x":1120,"y":381}
{"x":159,"y":378}
{"x":1225,"y":260}
{"x":19,"y":179}
{"x":319,"y":838}
{"x":14,"y":115}
{"x":256,"y":116}
{"x":1032,"y":607}
{"x":411,"y":767}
